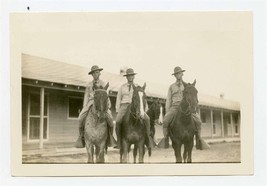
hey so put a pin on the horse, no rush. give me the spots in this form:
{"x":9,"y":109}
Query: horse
{"x":96,"y":129}
{"x":182,"y":128}
{"x":153,"y":113}
{"x":133,"y":129}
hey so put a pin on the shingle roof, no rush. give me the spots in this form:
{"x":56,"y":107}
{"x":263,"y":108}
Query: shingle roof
{"x":43,"y":69}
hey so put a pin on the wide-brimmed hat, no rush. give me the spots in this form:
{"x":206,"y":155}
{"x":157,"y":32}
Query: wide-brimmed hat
{"x":95,"y":68}
{"x":177,"y":70}
{"x":129,"y":72}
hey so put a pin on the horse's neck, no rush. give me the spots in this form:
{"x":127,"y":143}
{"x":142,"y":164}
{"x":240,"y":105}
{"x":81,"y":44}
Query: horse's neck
{"x":93,"y":110}
{"x":132,"y":113}
{"x":185,"y":112}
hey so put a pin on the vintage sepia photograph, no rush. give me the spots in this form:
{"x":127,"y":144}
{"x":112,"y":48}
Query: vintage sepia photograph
{"x":147,"y":93}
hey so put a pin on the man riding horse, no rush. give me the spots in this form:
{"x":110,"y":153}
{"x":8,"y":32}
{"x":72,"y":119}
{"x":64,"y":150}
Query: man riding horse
{"x":174,"y":98}
{"x":124,"y":98}
{"x":88,"y":102}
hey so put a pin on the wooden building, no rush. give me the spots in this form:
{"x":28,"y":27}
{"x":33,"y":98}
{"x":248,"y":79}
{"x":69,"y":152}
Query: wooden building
{"x":52,"y":97}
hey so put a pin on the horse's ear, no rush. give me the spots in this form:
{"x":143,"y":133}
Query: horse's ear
{"x":194,"y":83}
{"x":106,"y":87}
{"x":144,"y":87}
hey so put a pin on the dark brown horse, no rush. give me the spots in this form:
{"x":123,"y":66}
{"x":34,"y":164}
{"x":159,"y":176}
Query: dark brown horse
{"x":182,"y":128}
{"x":133,"y":127}
{"x":153,"y":113}
{"x":96,"y":129}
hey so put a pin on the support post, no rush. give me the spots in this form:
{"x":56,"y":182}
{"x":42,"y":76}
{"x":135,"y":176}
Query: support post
{"x":41,"y":117}
{"x":232,"y":125}
{"x":222,"y":124}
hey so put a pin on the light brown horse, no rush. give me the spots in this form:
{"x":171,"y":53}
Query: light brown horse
{"x":96,"y":127}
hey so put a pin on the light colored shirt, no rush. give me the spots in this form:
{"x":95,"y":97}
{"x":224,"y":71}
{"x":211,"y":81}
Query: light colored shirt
{"x":125,"y":96}
{"x":175,"y":95}
{"x":89,"y":92}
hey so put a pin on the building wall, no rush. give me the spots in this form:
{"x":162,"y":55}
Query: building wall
{"x":60,"y":128}
{"x":206,"y":123}
{"x":63,"y":129}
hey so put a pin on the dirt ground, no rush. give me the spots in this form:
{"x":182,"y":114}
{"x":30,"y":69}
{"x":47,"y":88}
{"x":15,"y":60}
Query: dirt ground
{"x":218,"y":153}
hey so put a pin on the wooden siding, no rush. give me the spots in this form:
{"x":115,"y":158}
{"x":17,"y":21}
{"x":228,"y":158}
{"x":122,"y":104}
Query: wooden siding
{"x":65,"y":130}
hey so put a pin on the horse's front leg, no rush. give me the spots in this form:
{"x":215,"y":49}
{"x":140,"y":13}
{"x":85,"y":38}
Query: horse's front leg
{"x":185,"y":155}
{"x":90,"y":153}
{"x":124,"y":147}
{"x":135,"y":152}
{"x":190,"y":148}
{"x":100,"y":153}
{"x":141,"y":152}
{"x":178,"y":152}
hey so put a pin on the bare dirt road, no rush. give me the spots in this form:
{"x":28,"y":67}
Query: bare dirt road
{"x":218,"y":153}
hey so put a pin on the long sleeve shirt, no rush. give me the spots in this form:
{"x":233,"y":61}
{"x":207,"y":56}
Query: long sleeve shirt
{"x":175,"y":95}
{"x":89,"y":92}
{"x":125,"y":95}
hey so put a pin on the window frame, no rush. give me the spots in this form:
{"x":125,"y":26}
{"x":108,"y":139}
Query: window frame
{"x":36,"y":116}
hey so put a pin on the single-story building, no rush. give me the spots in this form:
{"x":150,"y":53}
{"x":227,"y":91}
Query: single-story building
{"x":57,"y":88}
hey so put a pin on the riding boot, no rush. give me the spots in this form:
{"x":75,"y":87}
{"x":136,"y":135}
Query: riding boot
{"x":166,"y":137}
{"x":111,"y":142}
{"x":198,"y":141}
{"x":80,"y":143}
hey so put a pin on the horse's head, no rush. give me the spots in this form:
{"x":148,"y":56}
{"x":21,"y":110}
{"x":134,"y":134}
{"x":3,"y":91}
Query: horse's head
{"x":101,"y":99}
{"x":139,"y":100}
{"x":190,"y":95}
{"x":155,"y":109}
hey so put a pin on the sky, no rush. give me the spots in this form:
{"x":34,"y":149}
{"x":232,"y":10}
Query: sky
{"x":213,"y":48}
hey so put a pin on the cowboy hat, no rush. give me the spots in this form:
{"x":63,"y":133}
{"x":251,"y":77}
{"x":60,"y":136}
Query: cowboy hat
{"x":177,"y":70}
{"x":129,"y":72}
{"x":95,"y":68}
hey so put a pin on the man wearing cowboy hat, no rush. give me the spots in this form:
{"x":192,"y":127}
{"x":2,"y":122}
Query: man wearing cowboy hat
{"x":124,"y":98}
{"x":88,"y":102}
{"x":174,"y":98}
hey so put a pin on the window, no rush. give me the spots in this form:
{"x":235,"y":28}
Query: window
{"x":75,"y":106}
{"x":203,"y":117}
{"x":214,"y":118}
{"x":34,"y":117}
{"x":235,"y":118}
{"x":214,"y":129}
